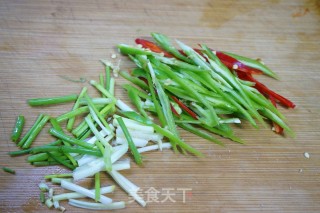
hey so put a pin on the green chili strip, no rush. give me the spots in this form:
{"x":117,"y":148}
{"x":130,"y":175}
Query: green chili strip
{"x":132,"y":146}
{"x":254,"y":64}
{"x":97,"y":186}
{"x":69,"y":139}
{"x":139,"y":92}
{"x":26,"y":136}
{"x":6,"y":169}
{"x":156,"y":103}
{"x":17,"y":129}
{"x":135,"y":99}
{"x":76,"y":106}
{"x":35,"y":132}
{"x":134,"y":80}
{"x":163,"y":42}
{"x":127,"y":49}
{"x":52,"y":100}
{"x":164,"y":100}
{"x":176,"y":140}
{"x":200,"y":133}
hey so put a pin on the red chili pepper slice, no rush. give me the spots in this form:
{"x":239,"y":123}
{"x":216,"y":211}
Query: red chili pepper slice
{"x":265,"y":90}
{"x":152,"y":46}
{"x":233,"y":63}
{"x":174,"y":110}
{"x":184,"y":107}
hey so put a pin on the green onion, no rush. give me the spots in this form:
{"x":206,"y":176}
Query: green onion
{"x":17,"y":130}
{"x":42,"y":197}
{"x":66,"y":175}
{"x":133,"y":148}
{"x":6,"y":169}
{"x":76,"y":106}
{"x":69,"y":139}
{"x":97,"y":186}
{"x":61,"y":161}
{"x":43,"y":187}
{"x":35,"y":132}
{"x":26,"y":136}
{"x":52,"y":100}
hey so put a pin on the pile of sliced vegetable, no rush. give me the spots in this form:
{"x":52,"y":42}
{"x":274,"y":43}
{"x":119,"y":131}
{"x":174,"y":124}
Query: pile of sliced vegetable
{"x":200,"y":90}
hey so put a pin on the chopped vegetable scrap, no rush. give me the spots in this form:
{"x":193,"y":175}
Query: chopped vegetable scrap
{"x":200,"y":90}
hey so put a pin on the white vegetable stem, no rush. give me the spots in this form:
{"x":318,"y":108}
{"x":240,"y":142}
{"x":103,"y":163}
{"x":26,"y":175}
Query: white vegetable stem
{"x":76,"y":188}
{"x":137,"y":141}
{"x":134,"y":125}
{"x":128,"y":186}
{"x":154,"y":147}
{"x":123,"y":106}
{"x":97,"y":206}
{"x":98,"y":165}
{"x":71,"y":195}
{"x":140,"y":134}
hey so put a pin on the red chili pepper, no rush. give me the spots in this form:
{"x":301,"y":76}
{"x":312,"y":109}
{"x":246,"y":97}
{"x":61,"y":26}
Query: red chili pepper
{"x":184,"y":107}
{"x":277,"y":129}
{"x":174,"y":110}
{"x":265,"y":90}
{"x":143,"y":79}
{"x":152,"y":46}
{"x":234,"y":64}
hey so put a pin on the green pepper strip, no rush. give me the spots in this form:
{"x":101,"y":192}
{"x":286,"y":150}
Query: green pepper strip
{"x":135,"y":99}
{"x":52,"y":100}
{"x":134,"y":80}
{"x":156,"y":103}
{"x":17,"y":130}
{"x":164,"y":101}
{"x":212,"y":118}
{"x":140,"y":93}
{"x":164,"y":43}
{"x":254,"y":64}
{"x":200,"y":133}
